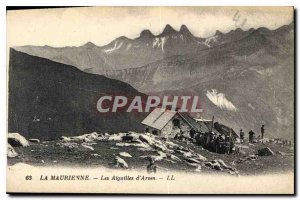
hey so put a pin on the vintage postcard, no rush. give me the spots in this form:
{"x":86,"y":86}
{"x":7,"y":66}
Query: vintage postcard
{"x":151,"y":100}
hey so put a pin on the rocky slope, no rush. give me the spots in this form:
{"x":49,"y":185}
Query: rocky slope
{"x":49,"y":99}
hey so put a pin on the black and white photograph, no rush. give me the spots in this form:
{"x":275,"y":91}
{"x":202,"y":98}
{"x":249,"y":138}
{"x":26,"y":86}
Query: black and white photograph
{"x":151,"y":100}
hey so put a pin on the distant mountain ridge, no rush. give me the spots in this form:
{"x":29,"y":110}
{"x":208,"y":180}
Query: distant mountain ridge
{"x":124,"y":53}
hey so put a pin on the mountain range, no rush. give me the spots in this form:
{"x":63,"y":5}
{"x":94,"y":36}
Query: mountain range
{"x":124,"y":53}
{"x":243,"y":78}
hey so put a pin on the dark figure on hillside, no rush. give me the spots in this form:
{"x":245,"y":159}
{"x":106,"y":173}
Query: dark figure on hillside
{"x":227,"y":145}
{"x":251,"y":136}
{"x":151,"y":168}
{"x":242,"y":136}
{"x":192,"y":133}
{"x":262,"y":130}
{"x":220,"y":144}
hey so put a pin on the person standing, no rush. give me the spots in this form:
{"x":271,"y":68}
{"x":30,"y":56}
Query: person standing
{"x":192,"y":133}
{"x":227,"y":145}
{"x":262,"y":130}
{"x":242,"y":135}
{"x":151,"y":168}
{"x":251,"y":136}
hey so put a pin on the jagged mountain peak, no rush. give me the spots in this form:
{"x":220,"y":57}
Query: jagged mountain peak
{"x":264,"y":30}
{"x":184,"y":30}
{"x":238,"y":30}
{"x":123,"y":38}
{"x":146,"y":34}
{"x":89,"y":44}
{"x":219,"y":33}
{"x":169,"y":30}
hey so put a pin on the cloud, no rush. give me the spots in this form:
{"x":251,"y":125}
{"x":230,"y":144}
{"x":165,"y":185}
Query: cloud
{"x":220,"y":100}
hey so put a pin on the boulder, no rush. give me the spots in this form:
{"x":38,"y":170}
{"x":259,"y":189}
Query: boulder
{"x":171,"y":161}
{"x":11,"y":151}
{"x":159,"y":157}
{"x":198,"y":169}
{"x":184,"y":153}
{"x":171,"y":145}
{"x":90,"y":137}
{"x":224,"y":166}
{"x":34,"y":140}
{"x":65,"y":138}
{"x":87,"y":146}
{"x":192,"y":160}
{"x":127,"y":138}
{"x":145,"y":149}
{"x":146,"y":139}
{"x":214,"y":165}
{"x":119,"y":162}
{"x":125,"y":154}
{"x":123,"y":136}
{"x":201,"y":158}
{"x":173,"y":157}
{"x":15,"y":140}
{"x":102,"y":137}
{"x":125,"y":144}
{"x":252,"y":157}
{"x":160,"y":147}
{"x":265,"y":152}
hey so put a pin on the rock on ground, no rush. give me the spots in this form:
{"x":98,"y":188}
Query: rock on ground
{"x":265,"y":152}
{"x":123,"y":136}
{"x":119,"y":162}
{"x":125,"y":154}
{"x":125,"y":144}
{"x":11,"y":151}
{"x":34,"y":140}
{"x":87,"y":146}
{"x":173,"y":157}
{"x":86,"y":137}
{"x":198,"y":169}
{"x":15,"y":139}
{"x":147,"y":139}
{"x":90,"y":137}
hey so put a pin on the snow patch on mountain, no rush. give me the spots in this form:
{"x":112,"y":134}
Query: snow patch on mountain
{"x":159,"y":42}
{"x":117,"y":45}
{"x":251,"y":106}
{"x":220,"y":100}
{"x":209,"y":41}
{"x":128,"y":46}
{"x":163,"y":41}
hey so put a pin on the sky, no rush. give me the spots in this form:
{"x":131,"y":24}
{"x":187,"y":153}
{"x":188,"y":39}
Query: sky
{"x":100,"y":25}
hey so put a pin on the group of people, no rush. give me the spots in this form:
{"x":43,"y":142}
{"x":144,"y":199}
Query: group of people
{"x":251,"y":135}
{"x":219,"y":143}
